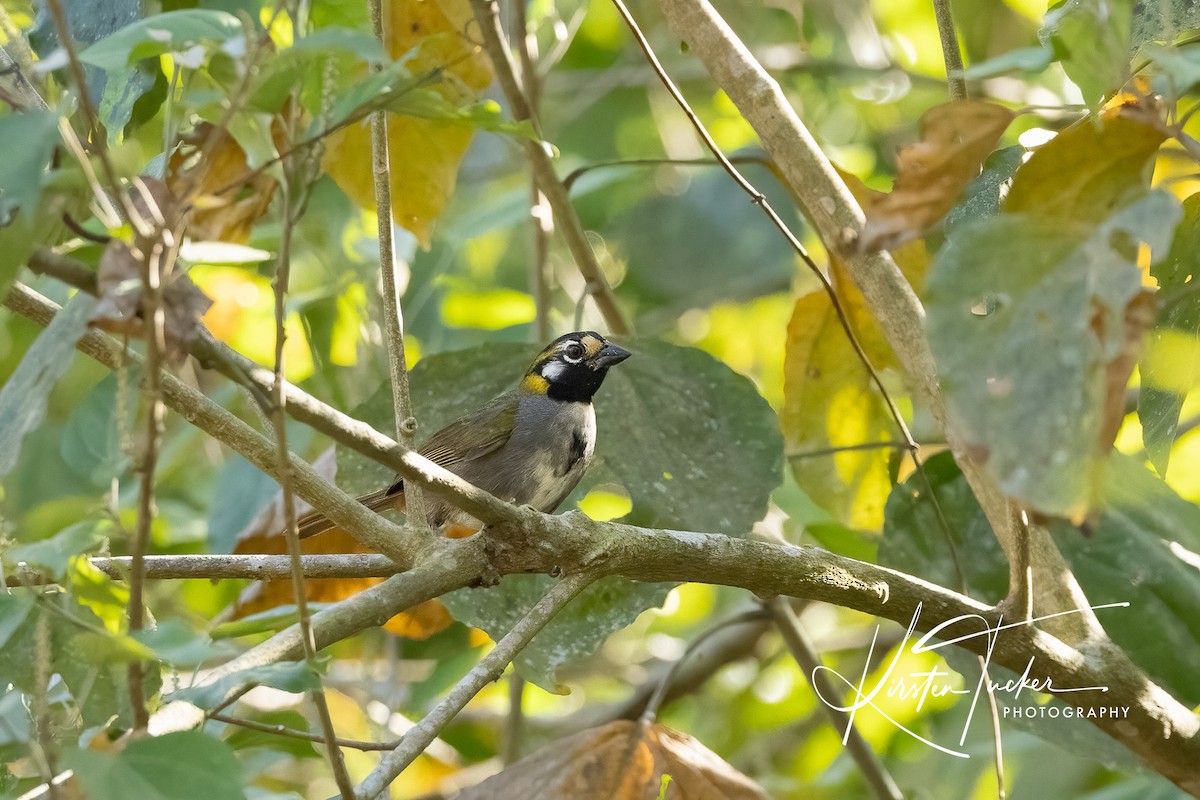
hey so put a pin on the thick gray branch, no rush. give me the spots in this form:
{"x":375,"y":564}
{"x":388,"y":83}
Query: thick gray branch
{"x":1164,"y":733}
{"x":838,"y":219}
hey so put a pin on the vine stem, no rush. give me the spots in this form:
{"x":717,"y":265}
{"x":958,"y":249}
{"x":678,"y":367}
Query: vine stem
{"x":760,"y":200}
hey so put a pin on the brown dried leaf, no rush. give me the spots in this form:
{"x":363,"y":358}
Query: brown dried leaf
{"x":622,"y":760}
{"x":119,"y":285}
{"x":264,"y":534}
{"x":955,"y":140}
{"x":222,"y":214}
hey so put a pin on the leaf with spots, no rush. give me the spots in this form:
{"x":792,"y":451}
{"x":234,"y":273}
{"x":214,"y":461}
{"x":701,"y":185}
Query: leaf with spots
{"x":1032,"y":320}
{"x":693,"y":443}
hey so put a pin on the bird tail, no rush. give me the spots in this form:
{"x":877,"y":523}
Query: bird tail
{"x":315,"y":522}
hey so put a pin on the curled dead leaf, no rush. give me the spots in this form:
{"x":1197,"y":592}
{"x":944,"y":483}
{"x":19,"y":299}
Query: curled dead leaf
{"x":622,"y":760}
{"x":120,"y":288}
{"x":1139,"y":318}
{"x":225,"y":203}
{"x":956,"y":138}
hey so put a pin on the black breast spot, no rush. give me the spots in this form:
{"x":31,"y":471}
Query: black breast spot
{"x":578,"y":449}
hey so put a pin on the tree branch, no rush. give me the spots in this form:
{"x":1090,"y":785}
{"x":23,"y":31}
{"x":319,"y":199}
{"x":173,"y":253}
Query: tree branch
{"x":838,"y":218}
{"x":1159,"y":729}
{"x":489,"y":668}
{"x":393,"y":316}
{"x":371,"y":529}
{"x":488,"y":16}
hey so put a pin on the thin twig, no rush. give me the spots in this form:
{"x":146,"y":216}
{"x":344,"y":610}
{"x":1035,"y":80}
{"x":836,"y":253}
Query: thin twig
{"x":495,"y":43}
{"x":514,"y":721}
{"x":292,"y":733}
{"x":579,"y":172}
{"x":659,"y":695}
{"x":802,"y":649}
{"x":541,"y":216}
{"x":489,"y":668}
{"x":759,"y":199}
{"x":393,"y":315}
{"x":951,"y":52}
{"x":849,"y":448}
{"x":220,"y":567}
{"x":153,"y":317}
{"x":294,"y":173}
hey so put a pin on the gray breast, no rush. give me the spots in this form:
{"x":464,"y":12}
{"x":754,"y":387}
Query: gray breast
{"x":550,"y":448}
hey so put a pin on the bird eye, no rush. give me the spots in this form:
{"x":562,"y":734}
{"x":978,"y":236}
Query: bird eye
{"x":574,"y":352}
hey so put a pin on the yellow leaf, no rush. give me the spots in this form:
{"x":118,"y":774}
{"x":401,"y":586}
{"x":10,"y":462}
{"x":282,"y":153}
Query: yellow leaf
{"x":424,"y":153}
{"x":1090,"y":168}
{"x":829,"y":401}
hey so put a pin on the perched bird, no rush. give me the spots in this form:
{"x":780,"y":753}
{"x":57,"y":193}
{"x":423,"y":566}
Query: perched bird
{"x":530,"y":445}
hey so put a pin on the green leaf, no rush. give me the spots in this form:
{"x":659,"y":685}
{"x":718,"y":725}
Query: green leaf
{"x":55,"y":554}
{"x":176,"y":766}
{"x":270,"y":621}
{"x":122,"y":89}
{"x":1012,"y":306}
{"x":290,"y":676}
{"x":23,"y":396}
{"x":244,"y":490}
{"x":983,"y":196}
{"x":913,"y":539}
{"x":583,"y":625}
{"x":174,"y":31}
{"x":14,"y":722}
{"x":698,"y":234}
{"x":97,"y":683}
{"x":1170,"y":364}
{"x":14,"y":608}
{"x":706,"y":464}
{"x":1092,"y":39}
{"x":91,"y":440}
{"x":1026,"y":59}
{"x":31,"y":137}
{"x":1143,"y":551}
{"x":175,"y":643}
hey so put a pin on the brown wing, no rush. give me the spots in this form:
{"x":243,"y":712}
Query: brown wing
{"x":475,"y":435}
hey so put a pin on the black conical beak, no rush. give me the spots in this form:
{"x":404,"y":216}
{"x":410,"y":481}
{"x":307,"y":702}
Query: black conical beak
{"x":610,"y":354}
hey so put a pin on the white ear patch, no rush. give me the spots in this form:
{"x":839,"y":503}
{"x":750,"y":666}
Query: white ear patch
{"x":552,"y":370}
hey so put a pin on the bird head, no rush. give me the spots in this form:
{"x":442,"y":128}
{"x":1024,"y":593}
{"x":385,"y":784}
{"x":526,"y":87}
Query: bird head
{"x":573,"y":366}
